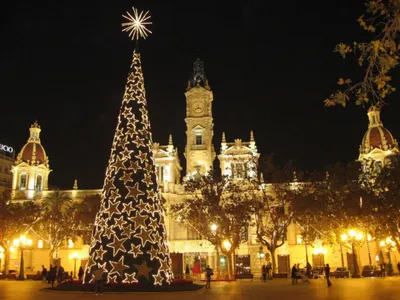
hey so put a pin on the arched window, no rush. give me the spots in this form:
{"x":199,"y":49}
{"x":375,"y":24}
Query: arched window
{"x":38,"y":186}
{"x":22,"y":182}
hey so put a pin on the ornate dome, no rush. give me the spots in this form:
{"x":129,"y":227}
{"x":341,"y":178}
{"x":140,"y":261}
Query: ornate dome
{"x":377,"y":136}
{"x":33,"y":152}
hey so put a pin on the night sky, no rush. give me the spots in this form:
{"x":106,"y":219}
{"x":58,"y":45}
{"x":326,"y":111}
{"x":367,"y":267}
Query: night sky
{"x":270,"y":65}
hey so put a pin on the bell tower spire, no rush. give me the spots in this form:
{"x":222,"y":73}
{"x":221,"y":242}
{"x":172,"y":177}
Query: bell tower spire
{"x":199,"y":151}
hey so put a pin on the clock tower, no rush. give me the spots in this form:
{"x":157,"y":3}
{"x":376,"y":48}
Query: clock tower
{"x":199,"y":150}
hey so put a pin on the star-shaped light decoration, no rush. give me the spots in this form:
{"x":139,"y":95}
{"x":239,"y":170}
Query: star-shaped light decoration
{"x":119,"y":222}
{"x":134,"y":165}
{"x":136,"y":27}
{"x":145,"y":236}
{"x":128,"y":208}
{"x":158,"y":279}
{"x":134,"y":191}
{"x":153,"y":253}
{"x":114,"y":195}
{"x":118,"y":267}
{"x":108,"y":232}
{"x":117,"y":245}
{"x":100,"y":252}
{"x":112,"y":279}
{"x":153,"y":223}
{"x":127,"y":177}
{"x":113,"y":209}
{"x":127,"y":231}
{"x":142,"y":156}
{"x":135,"y":251}
{"x":143,"y":270}
{"x":130,"y":278}
{"x":141,"y":206}
{"x":127,"y":153}
{"x":164,"y":265}
{"x":139,"y":220}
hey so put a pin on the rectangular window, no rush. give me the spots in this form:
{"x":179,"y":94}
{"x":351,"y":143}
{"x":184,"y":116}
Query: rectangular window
{"x":240,"y":171}
{"x":38,"y":183}
{"x":22,"y":184}
{"x":199,"y":139}
{"x":160,"y":174}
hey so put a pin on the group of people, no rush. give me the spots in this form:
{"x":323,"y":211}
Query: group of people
{"x":306,"y":274}
{"x":57,"y":273}
{"x":266,"y":271}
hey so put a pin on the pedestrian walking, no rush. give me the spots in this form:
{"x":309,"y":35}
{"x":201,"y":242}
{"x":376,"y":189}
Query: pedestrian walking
{"x":187,"y":272}
{"x":264,"y":273}
{"x":269,"y":269}
{"x":327,"y":275}
{"x":209,"y":273}
{"x":80,"y":273}
{"x":44,"y":274}
{"x":294,"y":274}
{"x":51,"y":276}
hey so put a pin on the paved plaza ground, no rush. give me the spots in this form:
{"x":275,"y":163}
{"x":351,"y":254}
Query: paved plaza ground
{"x":359,"y":289}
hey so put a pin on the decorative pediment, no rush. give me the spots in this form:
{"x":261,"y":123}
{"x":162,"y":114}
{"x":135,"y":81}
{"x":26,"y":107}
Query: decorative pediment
{"x":238,"y":150}
{"x":159,"y":153}
{"x":198,"y":128}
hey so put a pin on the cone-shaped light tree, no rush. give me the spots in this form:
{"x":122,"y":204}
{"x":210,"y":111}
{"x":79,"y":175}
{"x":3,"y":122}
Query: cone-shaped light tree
{"x":129,"y":237}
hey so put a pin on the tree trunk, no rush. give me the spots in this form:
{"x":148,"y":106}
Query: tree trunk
{"x":396,"y":242}
{"x":51,"y":254}
{"x":273,"y":258}
{"x":6,"y":260}
{"x":229,"y":258}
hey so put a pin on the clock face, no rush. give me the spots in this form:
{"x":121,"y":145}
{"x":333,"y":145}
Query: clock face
{"x":198,"y":107}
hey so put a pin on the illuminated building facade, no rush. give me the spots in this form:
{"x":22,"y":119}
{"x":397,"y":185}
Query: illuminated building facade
{"x":7,"y":157}
{"x":235,"y":159}
{"x":31,"y":169}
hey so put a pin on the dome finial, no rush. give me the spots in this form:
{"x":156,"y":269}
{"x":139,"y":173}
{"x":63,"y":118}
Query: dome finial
{"x":170,"y":140}
{"x":34,"y":135}
{"x":75,"y":187}
{"x":251,"y":136}
{"x":223,"y":137}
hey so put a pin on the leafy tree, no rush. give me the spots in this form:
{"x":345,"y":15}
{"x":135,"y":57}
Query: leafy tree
{"x":57,"y":222}
{"x":272,"y":216}
{"x":220,"y":202}
{"x":85,"y":214}
{"x":378,"y":57}
{"x":382,"y":203}
{"x":307,"y":213}
{"x":15,"y":218}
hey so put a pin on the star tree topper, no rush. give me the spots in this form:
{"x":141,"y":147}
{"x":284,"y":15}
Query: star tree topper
{"x":136,"y":27}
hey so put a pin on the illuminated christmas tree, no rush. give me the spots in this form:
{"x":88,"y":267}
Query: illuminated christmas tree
{"x":129,"y":237}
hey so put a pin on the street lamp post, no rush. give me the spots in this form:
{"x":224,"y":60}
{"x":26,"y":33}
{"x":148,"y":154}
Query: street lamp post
{"x":214,"y":231}
{"x":75,"y":256}
{"x":22,"y":242}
